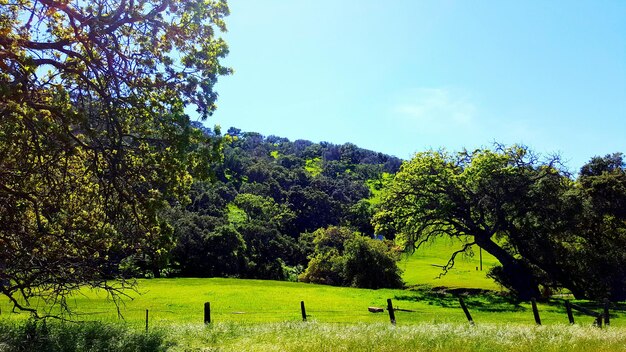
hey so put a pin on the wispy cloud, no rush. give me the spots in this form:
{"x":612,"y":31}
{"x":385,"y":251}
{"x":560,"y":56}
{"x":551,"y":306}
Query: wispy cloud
{"x":451,"y":118}
{"x":435,"y":109}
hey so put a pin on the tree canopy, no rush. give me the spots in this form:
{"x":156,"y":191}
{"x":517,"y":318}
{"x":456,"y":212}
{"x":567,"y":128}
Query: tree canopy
{"x":478,"y":196}
{"x":94,"y":139}
{"x":544,"y":227}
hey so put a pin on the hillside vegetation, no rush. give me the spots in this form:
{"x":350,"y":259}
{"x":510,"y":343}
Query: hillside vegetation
{"x":269,"y":203}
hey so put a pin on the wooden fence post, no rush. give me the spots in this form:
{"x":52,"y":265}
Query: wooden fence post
{"x":467,"y":313}
{"x":598,"y":321}
{"x":392,"y":315}
{"x":598,"y":316}
{"x":570,"y":315}
{"x":607,"y":319}
{"x":533,"y":302}
{"x":146,"y":320}
{"x":303,"y":310}
{"x":207,"y":313}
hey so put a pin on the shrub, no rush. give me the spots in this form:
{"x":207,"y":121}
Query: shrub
{"x":326,"y":268}
{"x":344,"y":258}
{"x":370,"y":263}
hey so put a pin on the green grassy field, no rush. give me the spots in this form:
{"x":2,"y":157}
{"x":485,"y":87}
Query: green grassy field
{"x":424,"y":267}
{"x":260,"y":315}
{"x":175,"y":301}
{"x":307,"y":336}
{"x":301,"y":337}
{"x":181,"y":300}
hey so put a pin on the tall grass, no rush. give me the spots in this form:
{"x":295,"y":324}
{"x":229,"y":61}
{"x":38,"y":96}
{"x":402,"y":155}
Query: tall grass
{"x":307,"y":336}
{"x":55,"y":336}
{"x":311,"y":336}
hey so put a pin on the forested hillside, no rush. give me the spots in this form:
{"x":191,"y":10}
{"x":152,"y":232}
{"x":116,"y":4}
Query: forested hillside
{"x":259,"y":215}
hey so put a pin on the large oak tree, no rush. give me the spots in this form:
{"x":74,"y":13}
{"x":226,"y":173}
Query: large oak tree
{"x":94,"y":139}
{"x":483,"y":197}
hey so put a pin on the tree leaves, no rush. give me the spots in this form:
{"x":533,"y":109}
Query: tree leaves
{"x":94,"y":140}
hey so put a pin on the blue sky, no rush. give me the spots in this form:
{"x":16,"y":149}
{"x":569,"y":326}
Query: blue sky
{"x":404,"y":76}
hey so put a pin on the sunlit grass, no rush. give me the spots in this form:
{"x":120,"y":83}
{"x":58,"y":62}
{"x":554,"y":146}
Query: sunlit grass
{"x":424,"y":266}
{"x":261,"y":315}
{"x":176,"y":301}
{"x":292,"y":336}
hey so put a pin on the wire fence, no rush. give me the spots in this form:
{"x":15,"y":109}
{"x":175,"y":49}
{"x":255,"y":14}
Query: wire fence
{"x":212,"y":312}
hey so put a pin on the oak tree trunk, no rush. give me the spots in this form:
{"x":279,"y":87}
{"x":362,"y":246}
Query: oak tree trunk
{"x":522,"y":280}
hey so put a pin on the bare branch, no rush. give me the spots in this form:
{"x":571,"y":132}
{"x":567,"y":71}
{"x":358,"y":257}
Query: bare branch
{"x":450,"y":264}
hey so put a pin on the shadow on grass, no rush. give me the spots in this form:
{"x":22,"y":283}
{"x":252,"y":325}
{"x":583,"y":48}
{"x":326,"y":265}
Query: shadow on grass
{"x":593,"y":305}
{"x":616,"y":309}
{"x":491,"y":301}
{"x":481,"y":300}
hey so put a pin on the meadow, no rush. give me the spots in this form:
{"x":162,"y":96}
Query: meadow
{"x":176,"y":301}
{"x":260,"y":315}
{"x":423,"y":267}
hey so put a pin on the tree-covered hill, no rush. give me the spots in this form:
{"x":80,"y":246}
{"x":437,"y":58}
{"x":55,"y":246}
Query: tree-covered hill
{"x":258,"y":216}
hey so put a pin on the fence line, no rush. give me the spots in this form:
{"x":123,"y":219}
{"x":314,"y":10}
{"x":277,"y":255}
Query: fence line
{"x":600,"y":318}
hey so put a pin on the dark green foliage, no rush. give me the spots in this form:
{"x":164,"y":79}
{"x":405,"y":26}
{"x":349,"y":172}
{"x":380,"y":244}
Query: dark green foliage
{"x":576,"y":235}
{"x":267,"y":193}
{"x":314,"y":208}
{"x":359,"y":216}
{"x":370,"y":263}
{"x":602,"y":260}
{"x":342,"y":257}
{"x":44,"y":336}
{"x":211,"y":198}
{"x":269,"y":254}
{"x":94,"y":139}
{"x":207,"y":246}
